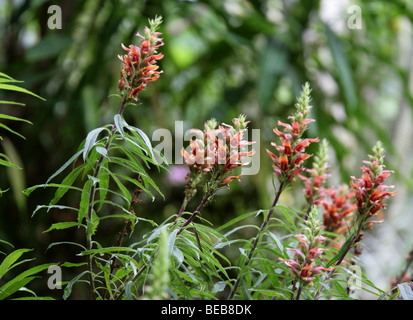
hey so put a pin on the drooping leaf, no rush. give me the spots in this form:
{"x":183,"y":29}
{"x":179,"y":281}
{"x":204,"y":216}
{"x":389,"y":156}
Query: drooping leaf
{"x":11,"y":87}
{"x":21,"y":280}
{"x":90,"y":141}
{"x":66,"y":184}
{"x":10,"y":259}
{"x":68,"y":289}
{"x":405,"y":291}
{"x":65,"y":165}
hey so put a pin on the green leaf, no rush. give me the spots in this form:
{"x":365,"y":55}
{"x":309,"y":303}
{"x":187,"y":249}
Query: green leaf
{"x":63,"y":225}
{"x":12,"y":102}
{"x":73,"y":265}
{"x":405,"y":291}
{"x":8,"y":163}
{"x":16,"y":88}
{"x":84,"y":201}
{"x":18,"y":282}
{"x":123,"y":189}
{"x":10,"y":259}
{"x":144,"y":138}
{"x":103,"y":182}
{"x":239,"y":218}
{"x":119,"y":123}
{"x":12,"y":286}
{"x":2,"y":125}
{"x":5,"y":76}
{"x":107,"y":250}
{"x":66,"y":184}
{"x":343,"y":250}
{"x":64,"y":242}
{"x":128,"y":293}
{"x":28,"y":191}
{"x":92,"y":224}
{"x":67,"y":163}
{"x":39,"y":207}
{"x":90,"y":141}
{"x":102,"y":151}
{"x":171,"y":240}
{"x":68,"y":289}
{"x":5,"y":242}
{"x":5,"y":116}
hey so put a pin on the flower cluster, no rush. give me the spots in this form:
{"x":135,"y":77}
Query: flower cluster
{"x":314,"y":191}
{"x":304,"y":263}
{"x":338,"y":209}
{"x":370,"y":192}
{"x":288,"y":163}
{"x":218,"y":150}
{"x":139,"y":64}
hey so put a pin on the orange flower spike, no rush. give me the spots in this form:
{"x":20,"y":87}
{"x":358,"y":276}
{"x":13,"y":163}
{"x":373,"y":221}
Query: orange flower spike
{"x":288,"y":163}
{"x":369,"y":195}
{"x":138,"y":66}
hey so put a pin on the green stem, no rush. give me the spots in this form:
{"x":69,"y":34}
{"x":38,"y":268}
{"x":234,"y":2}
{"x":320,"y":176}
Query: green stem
{"x":197,"y":211}
{"x":256,"y":240}
{"x":300,"y":289}
{"x":89,"y":241}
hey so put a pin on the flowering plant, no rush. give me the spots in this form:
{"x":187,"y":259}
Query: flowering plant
{"x":292,"y":254}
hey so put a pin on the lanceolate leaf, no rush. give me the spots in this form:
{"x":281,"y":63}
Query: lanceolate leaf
{"x":10,"y":259}
{"x":90,"y":141}
{"x":68,"y":289}
{"x":67,"y":182}
{"x":126,"y":193}
{"x":103,"y":182}
{"x":11,"y":87}
{"x":2,"y":125}
{"x":405,"y":291}
{"x":67,"y":163}
{"x":21,"y":280}
{"x":119,"y":123}
{"x":84,"y":201}
{"x":341,"y":252}
{"x":28,"y":191}
{"x":5,"y":116}
{"x":63,"y":225}
{"x":7,"y":163}
{"x":144,"y":138}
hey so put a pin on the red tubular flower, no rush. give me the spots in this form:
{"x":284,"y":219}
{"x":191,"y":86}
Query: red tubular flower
{"x":221,"y":150}
{"x":369,"y":190}
{"x":338,"y":208}
{"x":306,"y":256}
{"x":139,"y":64}
{"x":288,"y":163}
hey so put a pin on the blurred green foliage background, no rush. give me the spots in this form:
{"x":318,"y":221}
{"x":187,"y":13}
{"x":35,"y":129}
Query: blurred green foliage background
{"x":222,"y":58}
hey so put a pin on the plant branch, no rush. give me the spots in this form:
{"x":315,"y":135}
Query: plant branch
{"x":256,"y":240}
{"x":197,"y":211}
{"x":90,"y":207}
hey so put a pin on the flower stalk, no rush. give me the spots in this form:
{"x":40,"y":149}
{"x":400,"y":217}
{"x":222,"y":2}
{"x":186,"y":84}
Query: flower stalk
{"x":287,"y":164}
{"x":305,"y":266}
{"x":370,"y":193}
{"x":212,"y":158}
{"x":138,"y":68}
{"x":314,"y":190}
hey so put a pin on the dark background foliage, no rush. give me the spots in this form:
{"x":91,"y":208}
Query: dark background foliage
{"x":221,"y":58}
